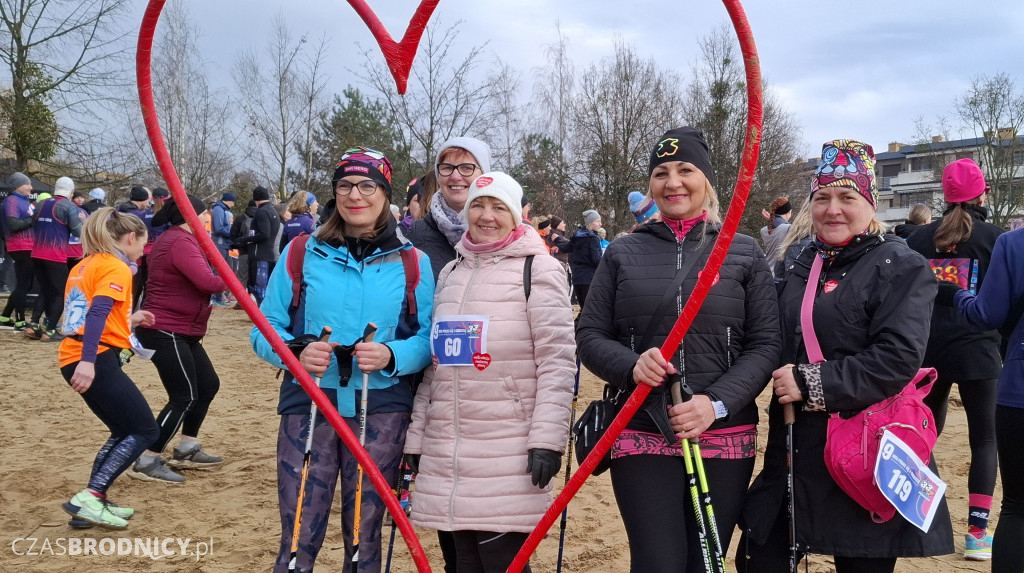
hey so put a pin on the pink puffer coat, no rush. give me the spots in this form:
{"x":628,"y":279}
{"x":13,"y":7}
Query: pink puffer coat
{"x":474,"y":428}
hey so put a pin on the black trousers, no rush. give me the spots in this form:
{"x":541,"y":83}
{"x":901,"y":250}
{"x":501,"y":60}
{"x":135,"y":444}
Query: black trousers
{"x":487,"y":551}
{"x":24,"y":272}
{"x":189,"y":378}
{"x":52,"y":277}
{"x":1007,"y":549}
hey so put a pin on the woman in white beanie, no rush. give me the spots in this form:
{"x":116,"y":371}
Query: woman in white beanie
{"x":494,"y":410}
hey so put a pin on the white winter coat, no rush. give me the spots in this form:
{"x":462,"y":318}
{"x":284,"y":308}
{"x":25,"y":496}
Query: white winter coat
{"x":474,"y":428}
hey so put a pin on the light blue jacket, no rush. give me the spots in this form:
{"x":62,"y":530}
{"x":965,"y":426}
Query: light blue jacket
{"x":346,"y":294}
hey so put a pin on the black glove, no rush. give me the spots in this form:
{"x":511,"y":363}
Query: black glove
{"x":947,"y":291}
{"x":299,"y":343}
{"x":543,"y":464}
{"x":413,"y":461}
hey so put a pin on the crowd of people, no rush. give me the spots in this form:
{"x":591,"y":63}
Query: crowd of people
{"x":444,"y":332}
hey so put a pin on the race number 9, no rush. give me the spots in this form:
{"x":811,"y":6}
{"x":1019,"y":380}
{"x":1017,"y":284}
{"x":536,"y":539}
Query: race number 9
{"x":452,"y":346}
{"x":899,"y":484}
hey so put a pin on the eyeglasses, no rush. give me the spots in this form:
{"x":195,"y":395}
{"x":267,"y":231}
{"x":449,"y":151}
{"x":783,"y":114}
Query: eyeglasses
{"x":366,"y":188}
{"x":465,"y":169}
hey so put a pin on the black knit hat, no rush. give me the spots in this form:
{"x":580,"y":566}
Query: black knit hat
{"x":160,"y":192}
{"x":683,"y":144}
{"x":139,"y":194}
{"x":260,"y":193}
{"x":170,"y":213}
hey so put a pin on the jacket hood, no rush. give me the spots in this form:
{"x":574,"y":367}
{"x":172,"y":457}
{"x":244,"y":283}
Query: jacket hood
{"x":250,"y":211}
{"x":529,"y":244}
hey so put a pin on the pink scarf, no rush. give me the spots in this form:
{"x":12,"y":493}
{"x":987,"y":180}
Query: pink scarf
{"x":493,"y":246}
{"x":682,"y":226}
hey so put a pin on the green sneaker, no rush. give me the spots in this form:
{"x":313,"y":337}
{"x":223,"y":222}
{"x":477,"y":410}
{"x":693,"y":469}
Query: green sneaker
{"x":6,"y":323}
{"x":20,"y":326}
{"x":87,"y":507}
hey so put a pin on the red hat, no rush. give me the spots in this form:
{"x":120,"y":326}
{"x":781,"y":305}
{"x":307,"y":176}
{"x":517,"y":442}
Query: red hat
{"x":962,"y":181}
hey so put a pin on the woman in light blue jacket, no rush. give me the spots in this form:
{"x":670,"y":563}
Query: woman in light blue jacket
{"x":353,"y":273}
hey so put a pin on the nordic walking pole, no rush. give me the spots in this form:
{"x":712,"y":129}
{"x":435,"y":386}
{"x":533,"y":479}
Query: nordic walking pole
{"x":568,"y":467}
{"x":676,"y":383}
{"x":368,"y":333}
{"x":325,"y":334}
{"x":789,"y":415}
{"x":399,"y":486}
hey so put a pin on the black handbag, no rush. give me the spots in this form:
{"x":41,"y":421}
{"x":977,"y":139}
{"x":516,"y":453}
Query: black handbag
{"x":594,"y":421}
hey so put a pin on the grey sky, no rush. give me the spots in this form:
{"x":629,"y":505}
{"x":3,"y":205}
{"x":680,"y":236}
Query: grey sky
{"x":860,"y":70}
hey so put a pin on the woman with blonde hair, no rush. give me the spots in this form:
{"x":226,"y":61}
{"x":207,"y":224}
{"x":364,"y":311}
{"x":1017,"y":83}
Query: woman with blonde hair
{"x":98,"y":327}
{"x":726,"y":357}
{"x":302,"y":208}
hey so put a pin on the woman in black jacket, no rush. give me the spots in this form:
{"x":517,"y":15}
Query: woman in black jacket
{"x":871,"y":316}
{"x":726,"y":358}
{"x":959,"y":248}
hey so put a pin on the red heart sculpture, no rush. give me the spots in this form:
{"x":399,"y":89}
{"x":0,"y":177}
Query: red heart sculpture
{"x":481,"y":361}
{"x":399,"y":55}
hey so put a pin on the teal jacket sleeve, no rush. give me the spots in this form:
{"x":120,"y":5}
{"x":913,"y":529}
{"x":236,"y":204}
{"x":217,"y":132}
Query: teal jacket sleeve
{"x":413,"y":354}
{"x":275,"y":308}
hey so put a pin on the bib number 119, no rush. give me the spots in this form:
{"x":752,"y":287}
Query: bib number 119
{"x":899,"y":484}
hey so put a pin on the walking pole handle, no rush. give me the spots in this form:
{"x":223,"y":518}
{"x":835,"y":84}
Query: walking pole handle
{"x":325,"y":334}
{"x":789,"y":413}
{"x":369,"y":331}
{"x":681,"y":391}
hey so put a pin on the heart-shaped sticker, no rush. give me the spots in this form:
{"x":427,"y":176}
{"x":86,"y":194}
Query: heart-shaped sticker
{"x":481,"y":361}
{"x":398,"y":55}
{"x":830,"y":286}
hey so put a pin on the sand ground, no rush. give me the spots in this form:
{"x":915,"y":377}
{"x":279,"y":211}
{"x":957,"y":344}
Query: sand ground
{"x":50,"y":438}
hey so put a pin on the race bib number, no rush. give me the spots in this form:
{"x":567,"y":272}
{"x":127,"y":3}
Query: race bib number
{"x":455,"y":339}
{"x":907,"y":482}
{"x":144,"y":353}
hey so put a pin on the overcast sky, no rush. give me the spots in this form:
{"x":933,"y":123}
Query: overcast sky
{"x":859,"y":70}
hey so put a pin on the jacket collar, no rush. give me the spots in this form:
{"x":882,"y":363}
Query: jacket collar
{"x":662,"y":231}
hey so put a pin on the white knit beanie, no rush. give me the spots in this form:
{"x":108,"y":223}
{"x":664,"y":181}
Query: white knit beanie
{"x":480,"y":150}
{"x":64,"y":187}
{"x":500,"y":186}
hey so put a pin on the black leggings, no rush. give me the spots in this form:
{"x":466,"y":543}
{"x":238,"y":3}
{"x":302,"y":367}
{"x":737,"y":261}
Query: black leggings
{"x":1007,"y":549}
{"x":773,"y":556}
{"x":979,"y":400}
{"x":652,"y":492}
{"x":24,"y":272}
{"x":189,"y":378}
{"x":487,"y":551}
{"x":52,"y":277}
{"x":139,"y":282}
{"x":117,"y":402}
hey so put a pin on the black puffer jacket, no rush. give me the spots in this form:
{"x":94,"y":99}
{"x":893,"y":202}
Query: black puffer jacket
{"x":731,"y":347}
{"x":872,"y":326}
{"x":428,"y":238}
{"x":584,"y":255}
{"x":954,"y":349}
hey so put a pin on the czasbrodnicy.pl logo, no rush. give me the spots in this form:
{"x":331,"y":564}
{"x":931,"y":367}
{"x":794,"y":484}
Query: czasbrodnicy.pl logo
{"x":150,"y":547}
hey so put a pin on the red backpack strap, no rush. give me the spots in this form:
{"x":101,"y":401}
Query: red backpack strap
{"x":296,"y":258}
{"x":411,"y":264}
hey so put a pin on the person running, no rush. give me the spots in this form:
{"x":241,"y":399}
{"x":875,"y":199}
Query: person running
{"x":353,"y":273}
{"x":486,"y":441}
{"x":584,"y":254}
{"x":871,"y":316}
{"x":98,"y":329}
{"x":56,"y":221}
{"x":178,"y":296}
{"x":727,"y":357}
{"x":998,"y":304}
{"x":959,"y":249}
{"x":16,"y":222}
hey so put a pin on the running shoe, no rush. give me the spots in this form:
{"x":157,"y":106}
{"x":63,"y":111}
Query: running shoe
{"x":978,"y":549}
{"x":33,"y":331}
{"x":155,"y":470}
{"x":6,"y":323}
{"x":51,"y":336}
{"x":194,"y":459}
{"x":122,"y":512}
{"x":20,"y":326}
{"x":87,"y":507}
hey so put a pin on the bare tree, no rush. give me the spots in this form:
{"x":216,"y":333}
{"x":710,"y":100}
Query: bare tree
{"x":506,"y":137}
{"x":716,"y":102}
{"x":312,"y":88}
{"x":63,"y":56}
{"x":623,"y":104}
{"x":271,"y":99}
{"x":553,"y":91}
{"x":993,"y":109}
{"x":442,"y":100}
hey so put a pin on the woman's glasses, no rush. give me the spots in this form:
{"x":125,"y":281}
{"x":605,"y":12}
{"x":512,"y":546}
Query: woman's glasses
{"x":366,"y":188}
{"x":465,"y":169}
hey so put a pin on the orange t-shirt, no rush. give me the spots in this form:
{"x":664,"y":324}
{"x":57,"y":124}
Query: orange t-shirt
{"x":97,"y":275}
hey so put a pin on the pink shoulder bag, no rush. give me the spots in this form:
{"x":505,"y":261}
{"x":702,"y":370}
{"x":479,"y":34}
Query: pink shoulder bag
{"x":851,"y":445}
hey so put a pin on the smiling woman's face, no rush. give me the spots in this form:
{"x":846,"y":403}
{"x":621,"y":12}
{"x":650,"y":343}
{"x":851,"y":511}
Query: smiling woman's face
{"x":680,"y":189}
{"x":489,"y":220}
{"x":839,"y":213}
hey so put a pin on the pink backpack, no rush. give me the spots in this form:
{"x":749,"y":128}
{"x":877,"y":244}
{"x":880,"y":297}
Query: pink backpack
{"x":851,"y":445}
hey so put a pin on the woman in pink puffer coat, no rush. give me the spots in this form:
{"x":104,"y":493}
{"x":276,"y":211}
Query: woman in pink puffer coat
{"x":491,"y":419}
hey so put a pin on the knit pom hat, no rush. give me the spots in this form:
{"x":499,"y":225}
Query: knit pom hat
{"x":683,"y":144}
{"x":847,"y":163}
{"x":642,"y":206}
{"x":962,"y":181}
{"x":503,"y":188}
{"x":366,"y":162}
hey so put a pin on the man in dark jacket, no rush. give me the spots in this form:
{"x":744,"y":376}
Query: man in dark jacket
{"x":96,"y":197}
{"x":261,"y":242}
{"x":585,"y":254}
